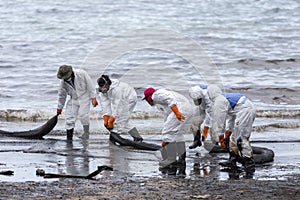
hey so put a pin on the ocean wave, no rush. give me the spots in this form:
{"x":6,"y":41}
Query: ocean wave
{"x":25,"y":115}
{"x":278,"y":113}
{"x":283,"y":125}
{"x":252,"y":61}
{"x":274,"y":61}
{"x":39,"y":115}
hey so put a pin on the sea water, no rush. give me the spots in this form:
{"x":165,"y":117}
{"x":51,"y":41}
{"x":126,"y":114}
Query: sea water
{"x":250,"y":47}
{"x":246,"y":46}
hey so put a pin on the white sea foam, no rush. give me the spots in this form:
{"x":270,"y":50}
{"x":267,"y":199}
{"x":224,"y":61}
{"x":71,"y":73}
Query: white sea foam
{"x":30,"y":115}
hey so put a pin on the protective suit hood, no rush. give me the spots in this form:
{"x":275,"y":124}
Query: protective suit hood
{"x":196,"y":92}
{"x":114,"y":83}
{"x":213,"y":92}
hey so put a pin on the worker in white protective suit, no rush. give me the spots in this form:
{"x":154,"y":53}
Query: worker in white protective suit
{"x":78,"y":85}
{"x":241,"y":114}
{"x":177,"y":121}
{"x":118,"y":99}
{"x":202,"y":100}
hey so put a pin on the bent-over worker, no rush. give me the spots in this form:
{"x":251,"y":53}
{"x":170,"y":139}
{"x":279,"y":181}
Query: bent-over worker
{"x":78,"y":85}
{"x":118,"y":100}
{"x":178,"y":113}
{"x":202,"y":100}
{"x":241,"y":113}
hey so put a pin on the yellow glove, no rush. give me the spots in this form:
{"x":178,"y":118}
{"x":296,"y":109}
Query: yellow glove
{"x":94,"y":102}
{"x":110,"y":124}
{"x":178,"y":114}
{"x":204,"y":133}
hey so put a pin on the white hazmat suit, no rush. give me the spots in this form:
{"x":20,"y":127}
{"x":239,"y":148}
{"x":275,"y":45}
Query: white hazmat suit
{"x":81,"y":92}
{"x":241,"y":114}
{"x":173,"y":129}
{"x":119,"y":101}
{"x":178,"y":114}
{"x":205,"y":109}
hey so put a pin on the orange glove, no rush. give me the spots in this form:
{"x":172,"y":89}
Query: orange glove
{"x":221,"y":140}
{"x":227,"y":134}
{"x":58,"y":111}
{"x":178,"y":114}
{"x":94,"y":102}
{"x":163,"y":144}
{"x":204,"y":133}
{"x":105,"y":120}
{"x":110,"y":124}
{"x":205,"y":172}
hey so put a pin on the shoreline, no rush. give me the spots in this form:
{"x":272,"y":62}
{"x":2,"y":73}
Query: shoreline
{"x":136,"y":174}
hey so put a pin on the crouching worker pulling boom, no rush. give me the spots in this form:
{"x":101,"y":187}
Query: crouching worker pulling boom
{"x":118,"y":99}
{"x":241,"y":114}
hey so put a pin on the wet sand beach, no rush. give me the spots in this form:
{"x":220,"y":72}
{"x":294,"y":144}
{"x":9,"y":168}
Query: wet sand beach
{"x":252,"y":48}
{"x":136,"y":174}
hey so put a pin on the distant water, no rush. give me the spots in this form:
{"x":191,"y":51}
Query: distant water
{"x":253,"y":44}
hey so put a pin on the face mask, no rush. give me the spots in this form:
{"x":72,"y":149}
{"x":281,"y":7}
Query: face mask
{"x":197,"y":102}
{"x":103,"y":89}
{"x":69,"y":79}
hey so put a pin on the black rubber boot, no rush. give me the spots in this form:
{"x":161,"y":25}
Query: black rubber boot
{"x":86,"y":132}
{"x":231,"y":163}
{"x":181,"y":152}
{"x":181,"y":170}
{"x":70,"y":134}
{"x":135,"y":134}
{"x":227,"y":142}
{"x":249,"y":165}
{"x":197,"y":142}
{"x":181,"y":160}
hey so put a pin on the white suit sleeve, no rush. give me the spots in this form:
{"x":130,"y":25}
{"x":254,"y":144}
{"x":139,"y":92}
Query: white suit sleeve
{"x":208,"y":111}
{"x":116,"y":105}
{"x":62,"y":95}
{"x":105,"y":104}
{"x":202,"y":113}
{"x":89,"y":85}
{"x":219,"y":111}
{"x":164,"y":97}
{"x":230,"y":124}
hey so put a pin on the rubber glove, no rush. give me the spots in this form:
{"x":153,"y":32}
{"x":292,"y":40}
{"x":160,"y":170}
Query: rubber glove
{"x":204,"y":133}
{"x":110,"y":124}
{"x":94,"y":102}
{"x":105,"y":120}
{"x":163,"y":144}
{"x":178,"y":114}
{"x":221,"y":140}
{"x":58,"y":111}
